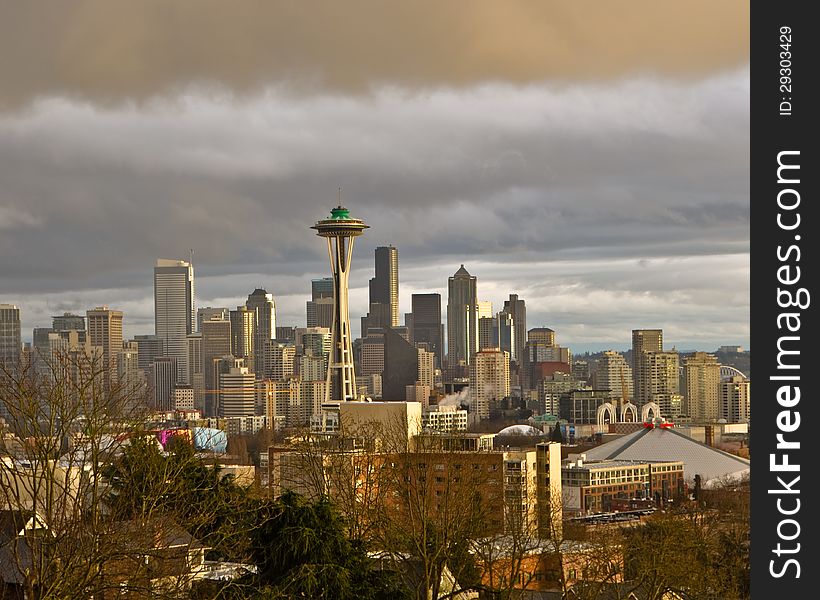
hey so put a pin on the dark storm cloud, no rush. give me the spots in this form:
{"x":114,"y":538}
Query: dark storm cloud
{"x":115,"y":50}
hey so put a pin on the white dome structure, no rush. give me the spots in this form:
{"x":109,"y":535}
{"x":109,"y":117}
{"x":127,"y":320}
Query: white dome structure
{"x":520,"y":430}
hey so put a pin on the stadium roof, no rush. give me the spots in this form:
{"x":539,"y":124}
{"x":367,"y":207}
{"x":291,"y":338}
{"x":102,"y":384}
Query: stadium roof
{"x":666,"y":444}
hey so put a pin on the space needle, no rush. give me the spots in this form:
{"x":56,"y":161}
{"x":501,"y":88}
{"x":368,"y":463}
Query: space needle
{"x":340,"y":230}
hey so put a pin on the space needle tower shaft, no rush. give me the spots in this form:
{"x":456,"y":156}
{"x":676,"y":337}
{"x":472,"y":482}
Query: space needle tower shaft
{"x":340,"y":230}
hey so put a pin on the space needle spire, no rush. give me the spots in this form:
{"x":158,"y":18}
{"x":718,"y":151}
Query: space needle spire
{"x":340,"y":230}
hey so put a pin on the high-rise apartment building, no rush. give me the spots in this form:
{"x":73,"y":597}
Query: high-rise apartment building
{"x":196,"y":373}
{"x":660,"y":380}
{"x":278,"y":360}
{"x":261,"y":303}
{"x":10,"y":336}
{"x":427,"y":329}
{"x":174,"y":312}
{"x":614,"y":374}
{"x":462,"y":318}
{"x":735,"y":394}
{"x":643,"y":340}
{"x":237,"y":391}
{"x":105,"y":331}
{"x":517,"y":309}
{"x":489,"y":380}
{"x":701,"y":374}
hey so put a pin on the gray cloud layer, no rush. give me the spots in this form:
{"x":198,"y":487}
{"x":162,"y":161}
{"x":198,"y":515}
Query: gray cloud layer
{"x":606,"y":206}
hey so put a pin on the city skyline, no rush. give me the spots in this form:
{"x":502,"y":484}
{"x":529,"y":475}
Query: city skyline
{"x":607,"y":189}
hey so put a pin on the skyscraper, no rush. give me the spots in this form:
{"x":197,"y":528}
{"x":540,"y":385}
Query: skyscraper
{"x":384,"y":287}
{"x":340,"y":231}
{"x":516,"y":308}
{"x":216,"y":343}
{"x":105,"y":331}
{"x":10,"y":336}
{"x":243,"y":336}
{"x":462,"y":321}
{"x":320,"y":306}
{"x":68,"y":322}
{"x":643,"y":340}
{"x":174,"y":313}
{"x":701,"y":372}
{"x":383,"y":309}
{"x":489,"y":380}
{"x":615,"y":375}
{"x":427,"y":327}
{"x":260,"y":302}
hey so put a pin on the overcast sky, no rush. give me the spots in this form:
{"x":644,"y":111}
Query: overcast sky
{"x":592,"y":157}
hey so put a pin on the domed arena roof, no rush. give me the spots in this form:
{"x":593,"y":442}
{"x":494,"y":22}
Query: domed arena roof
{"x":520,"y":430}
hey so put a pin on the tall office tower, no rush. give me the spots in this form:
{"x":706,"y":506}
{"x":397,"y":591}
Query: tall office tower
{"x":401,"y":366}
{"x":614,"y":374}
{"x":542,"y":335}
{"x":286,"y":334}
{"x":164,"y":379}
{"x":196,"y":373}
{"x":517,"y":308}
{"x":506,"y":334}
{"x":489,"y":380}
{"x":261,"y":304}
{"x":68,"y":322}
{"x":211,"y":313}
{"x":660,"y":381}
{"x":320,"y":305}
{"x":427,"y":328}
{"x":10,"y":336}
{"x":384,"y":287}
{"x":320,"y":312}
{"x":462,"y":319}
{"x":243,"y":336}
{"x":174,"y":312}
{"x":148,"y":347}
{"x":484,"y":309}
{"x":216,"y":343}
{"x":372,"y":353}
{"x":487,"y":333}
{"x":321,"y":288}
{"x":278,"y":361}
{"x":701,"y":373}
{"x":735,"y":393}
{"x":237,"y":391}
{"x":340,"y":231}
{"x":105,"y":331}
{"x":643,"y":340}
